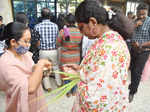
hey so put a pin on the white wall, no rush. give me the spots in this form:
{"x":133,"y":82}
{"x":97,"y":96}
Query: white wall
{"x":131,"y":6}
{"x":6,"y":11}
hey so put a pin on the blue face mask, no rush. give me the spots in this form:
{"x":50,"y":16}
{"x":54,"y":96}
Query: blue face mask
{"x":21,"y":49}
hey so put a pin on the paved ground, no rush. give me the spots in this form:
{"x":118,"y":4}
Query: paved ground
{"x":141,"y":101}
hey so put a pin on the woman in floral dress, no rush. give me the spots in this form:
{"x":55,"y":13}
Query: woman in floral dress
{"x":104,"y":69}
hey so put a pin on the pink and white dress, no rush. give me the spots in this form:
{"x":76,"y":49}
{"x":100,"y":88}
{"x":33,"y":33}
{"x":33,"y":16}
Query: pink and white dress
{"x":104,"y":72}
{"x":14,"y":76}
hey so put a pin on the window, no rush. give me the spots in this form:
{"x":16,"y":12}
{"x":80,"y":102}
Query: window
{"x":32,"y":8}
{"x":131,"y":6}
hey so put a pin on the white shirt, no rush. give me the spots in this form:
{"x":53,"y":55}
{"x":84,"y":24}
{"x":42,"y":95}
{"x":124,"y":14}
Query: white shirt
{"x":86,"y":43}
{"x":2,"y":46}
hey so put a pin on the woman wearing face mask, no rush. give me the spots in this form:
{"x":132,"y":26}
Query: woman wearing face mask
{"x":20,"y":82}
{"x":104,"y":69}
{"x":35,"y":36}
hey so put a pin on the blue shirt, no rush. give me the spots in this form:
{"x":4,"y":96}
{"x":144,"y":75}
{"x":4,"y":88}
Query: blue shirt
{"x":142,"y":33}
{"x":48,"y":33}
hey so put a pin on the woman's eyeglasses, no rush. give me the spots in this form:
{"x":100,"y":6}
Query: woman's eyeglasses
{"x":25,"y":41}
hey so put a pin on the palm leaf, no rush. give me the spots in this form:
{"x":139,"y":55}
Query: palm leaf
{"x":64,"y":73}
{"x":67,"y":88}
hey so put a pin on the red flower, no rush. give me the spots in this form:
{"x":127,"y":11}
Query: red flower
{"x":86,"y":88}
{"x":87,"y":105}
{"x":121,"y":59}
{"x":95,"y":68}
{"x":105,"y":57}
{"x":91,"y":78}
{"x":101,"y":80}
{"x":101,"y":41}
{"x":95,"y":110}
{"x":116,"y":92}
{"x":116,"y":102}
{"x":115,"y":75}
{"x":114,"y":53}
{"x":123,"y":82}
{"x":99,"y":85}
{"x":82,"y":109}
{"x":103,"y":98}
{"x":124,"y":107}
{"x":102,"y":52}
{"x":120,"y":92}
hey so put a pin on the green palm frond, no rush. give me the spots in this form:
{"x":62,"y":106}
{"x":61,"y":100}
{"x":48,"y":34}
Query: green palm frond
{"x":64,"y":73}
{"x":62,"y":92}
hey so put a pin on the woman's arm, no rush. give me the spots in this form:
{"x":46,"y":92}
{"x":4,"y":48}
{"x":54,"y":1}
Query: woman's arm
{"x":36,"y":77}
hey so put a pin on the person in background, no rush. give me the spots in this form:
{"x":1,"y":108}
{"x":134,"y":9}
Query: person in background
{"x":86,"y":43}
{"x":140,"y":47}
{"x":2,"y":43}
{"x":1,"y":24}
{"x":48,"y":33}
{"x":104,"y":69}
{"x":39,"y":20}
{"x":131,"y":16}
{"x":69,"y":40}
{"x":35,"y":36}
{"x":20,"y":82}
{"x":52,"y":18}
{"x":61,"y":21}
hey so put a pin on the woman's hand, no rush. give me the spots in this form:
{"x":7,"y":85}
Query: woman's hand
{"x":44,"y":63}
{"x":138,"y":23}
{"x":71,"y":68}
{"x":37,"y":75}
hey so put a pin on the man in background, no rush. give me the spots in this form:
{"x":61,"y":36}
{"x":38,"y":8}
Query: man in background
{"x":140,"y":47}
{"x":131,"y":16}
{"x":48,"y":33}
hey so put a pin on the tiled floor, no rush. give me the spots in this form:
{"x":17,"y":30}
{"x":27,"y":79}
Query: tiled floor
{"x":141,"y":101}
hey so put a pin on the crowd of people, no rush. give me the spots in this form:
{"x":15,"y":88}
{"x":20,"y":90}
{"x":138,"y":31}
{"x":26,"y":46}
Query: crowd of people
{"x":102,"y":44}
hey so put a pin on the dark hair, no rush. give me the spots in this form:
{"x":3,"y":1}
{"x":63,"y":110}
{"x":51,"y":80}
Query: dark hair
{"x":129,"y":13}
{"x":142,"y":6}
{"x":61,"y":21}
{"x":13,"y":30}
{"x":1,"y":18}
{"x":119,"y":22}
{"x":70,"y":19}
{"x":22,"y":18}
{"x":46,"y":13}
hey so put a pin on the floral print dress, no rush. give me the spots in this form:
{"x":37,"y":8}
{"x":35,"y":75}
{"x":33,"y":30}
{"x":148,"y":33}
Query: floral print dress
{"x":104,"y":72}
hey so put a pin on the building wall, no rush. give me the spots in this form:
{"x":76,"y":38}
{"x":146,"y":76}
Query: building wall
{"x":6,"y":11}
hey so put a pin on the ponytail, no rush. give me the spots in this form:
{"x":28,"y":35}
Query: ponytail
{"x":120,"y":23}
{"x":117,"y":21}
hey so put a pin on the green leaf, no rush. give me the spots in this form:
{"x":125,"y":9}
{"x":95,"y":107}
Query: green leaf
{"x":66,"y":74}
{"x":62,"y":93}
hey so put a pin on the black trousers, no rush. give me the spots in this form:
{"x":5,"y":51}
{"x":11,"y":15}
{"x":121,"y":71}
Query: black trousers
{"x":138,"y":60}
